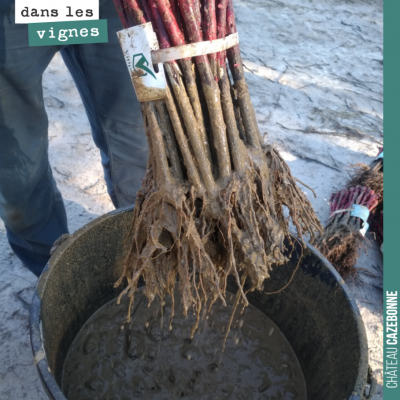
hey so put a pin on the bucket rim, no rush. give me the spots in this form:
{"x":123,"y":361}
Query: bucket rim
{"x":48,"y":381}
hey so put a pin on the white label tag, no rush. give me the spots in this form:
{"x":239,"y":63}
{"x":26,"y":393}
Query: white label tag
{"x":137,"y":43}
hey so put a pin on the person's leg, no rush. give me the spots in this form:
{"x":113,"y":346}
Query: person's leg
{"x":30,"y":203}
{"x":103,"y":81}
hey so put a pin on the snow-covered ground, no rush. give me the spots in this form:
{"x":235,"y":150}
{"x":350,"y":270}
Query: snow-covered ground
{"x":315,"y":73}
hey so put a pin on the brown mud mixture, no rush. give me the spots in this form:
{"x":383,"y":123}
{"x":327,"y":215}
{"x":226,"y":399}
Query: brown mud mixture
{"x":150,"y":358}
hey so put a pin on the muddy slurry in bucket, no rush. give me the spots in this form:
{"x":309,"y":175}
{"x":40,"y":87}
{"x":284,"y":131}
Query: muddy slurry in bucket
{"x":150,"y":358}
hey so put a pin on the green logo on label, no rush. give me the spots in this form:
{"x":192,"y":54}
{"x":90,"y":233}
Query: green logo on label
{"x":142,"y":64}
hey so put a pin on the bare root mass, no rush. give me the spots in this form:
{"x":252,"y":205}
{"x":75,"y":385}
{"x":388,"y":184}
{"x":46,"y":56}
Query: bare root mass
{"x":370,"y":176}
{"x":340,"y":245}
{"x":211,"y":203}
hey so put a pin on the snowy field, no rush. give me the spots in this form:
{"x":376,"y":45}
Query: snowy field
{"x":315,"y":74}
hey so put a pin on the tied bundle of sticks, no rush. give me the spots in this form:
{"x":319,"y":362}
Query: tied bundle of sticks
{"x":372,"y":177}
{"x":343,"y":237}
{"x":211,"y":203}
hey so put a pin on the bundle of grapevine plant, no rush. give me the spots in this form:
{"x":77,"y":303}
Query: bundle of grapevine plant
{"x":344,"y":234}
{"x":371,"y":176}
{"x":212,"y":201}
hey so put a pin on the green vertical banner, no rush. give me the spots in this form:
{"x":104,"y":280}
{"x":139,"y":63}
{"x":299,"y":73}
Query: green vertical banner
{"x":391,"y":272}
{"x":69,"y":32}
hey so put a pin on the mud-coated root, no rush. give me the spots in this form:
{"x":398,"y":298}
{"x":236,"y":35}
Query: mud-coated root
{"x":288,"y":194}
{"x":202,"y":239}
{"x":340,"y":244}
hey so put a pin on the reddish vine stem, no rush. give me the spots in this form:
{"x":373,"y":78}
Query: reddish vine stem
{"x":237,"y":147}
{"x":197,"y":12}
{"x":211,"y":93}
{"x":137,"y":12}
{"x":175,"y":10}
{"x":159,"y":27}
{"x":177,"y":38}
{"x":146,"y":9}
{"x":221,"y":30}
{"x":247,"y":112}
{"x":192,"y":128}
{"x":209,"y":28}
{"x":119,"y":5}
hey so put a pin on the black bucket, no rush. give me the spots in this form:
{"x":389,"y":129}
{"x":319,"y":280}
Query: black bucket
{"x":316,"y":311}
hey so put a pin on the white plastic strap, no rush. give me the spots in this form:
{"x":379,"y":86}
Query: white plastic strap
{"x":194,"y":49}
{"x":338,"y":211}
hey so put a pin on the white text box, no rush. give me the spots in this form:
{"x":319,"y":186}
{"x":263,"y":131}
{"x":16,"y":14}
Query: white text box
{"x":31,"y":11}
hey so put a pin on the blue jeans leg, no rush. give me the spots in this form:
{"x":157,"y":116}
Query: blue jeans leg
{"x":30,"y":203}
{"x":103,"y":81}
